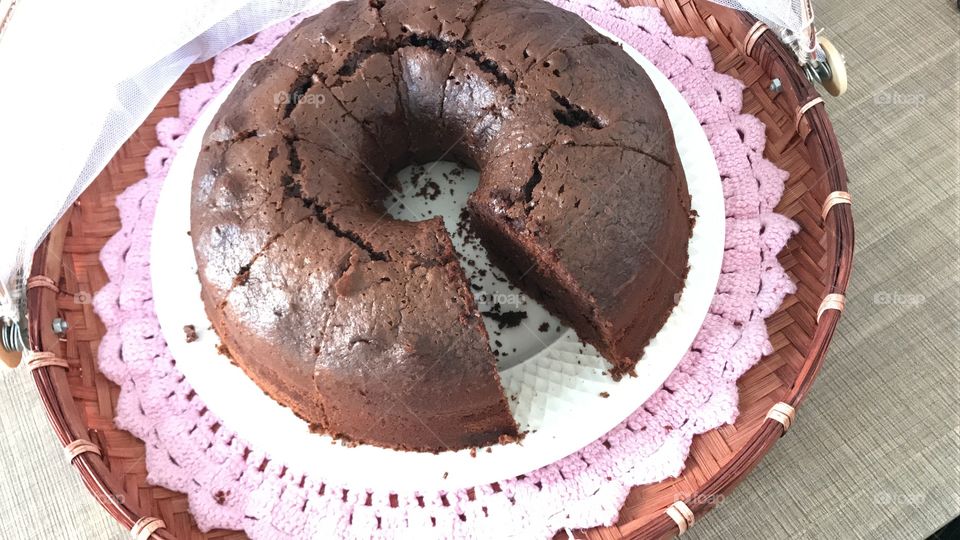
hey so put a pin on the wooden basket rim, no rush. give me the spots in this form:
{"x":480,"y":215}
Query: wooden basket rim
{"x":57,"y":398}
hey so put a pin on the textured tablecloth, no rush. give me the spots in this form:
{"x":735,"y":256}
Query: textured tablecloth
{"x":876,"y":446}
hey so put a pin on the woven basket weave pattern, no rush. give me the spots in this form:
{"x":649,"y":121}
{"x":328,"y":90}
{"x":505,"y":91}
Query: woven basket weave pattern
{"x":81,"y":401}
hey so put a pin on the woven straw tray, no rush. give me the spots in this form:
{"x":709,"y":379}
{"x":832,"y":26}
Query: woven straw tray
{"x":800,"y":139}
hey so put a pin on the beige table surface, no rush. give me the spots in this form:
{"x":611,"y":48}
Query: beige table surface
{"x":875,"y":452}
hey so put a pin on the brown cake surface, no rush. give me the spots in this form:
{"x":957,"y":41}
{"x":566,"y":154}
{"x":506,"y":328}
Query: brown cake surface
{"x":365,"y":325}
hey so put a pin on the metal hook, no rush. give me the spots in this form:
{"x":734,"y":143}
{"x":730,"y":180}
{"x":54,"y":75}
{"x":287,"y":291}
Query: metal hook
{"x":829,"y":70}
{"x":11,"y":337}
{"x":818,"y":72}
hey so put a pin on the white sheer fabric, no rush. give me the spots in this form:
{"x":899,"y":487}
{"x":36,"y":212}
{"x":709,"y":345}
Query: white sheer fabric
{"x":792,"y":19}
{"x":76,"y":79}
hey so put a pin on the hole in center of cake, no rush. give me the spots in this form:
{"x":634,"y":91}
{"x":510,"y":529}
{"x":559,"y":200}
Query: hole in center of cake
{"x":519,"y":328}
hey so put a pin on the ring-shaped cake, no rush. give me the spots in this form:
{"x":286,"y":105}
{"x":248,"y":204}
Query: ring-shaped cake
{"x":366,"y":325}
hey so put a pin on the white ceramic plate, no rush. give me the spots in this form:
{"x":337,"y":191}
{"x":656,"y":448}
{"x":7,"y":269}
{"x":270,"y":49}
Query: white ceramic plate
{"x":555,"y":382}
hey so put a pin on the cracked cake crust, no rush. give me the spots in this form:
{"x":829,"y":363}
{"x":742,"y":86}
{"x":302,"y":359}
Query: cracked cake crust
{"x":365,"y":325}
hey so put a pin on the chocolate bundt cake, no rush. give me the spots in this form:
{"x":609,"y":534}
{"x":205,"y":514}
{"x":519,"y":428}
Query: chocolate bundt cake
{"x":365,"y":325}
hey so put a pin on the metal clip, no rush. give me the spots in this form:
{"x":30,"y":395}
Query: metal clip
{"x":11,"y":337}
{"x":828,"y":69}
{"x":820,"y":60}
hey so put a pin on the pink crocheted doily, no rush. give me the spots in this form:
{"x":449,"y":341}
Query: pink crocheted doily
{"x":234,"y":486}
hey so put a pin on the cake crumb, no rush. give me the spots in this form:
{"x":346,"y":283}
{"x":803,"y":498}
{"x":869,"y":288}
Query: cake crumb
{"x":445,"y":475}
{"x":505,"y":439}
{"x":430,"y":191}
{"x":604,"y":394}
{"x":505,"y":319}
{"x":489,"y":450}
{"x":473,"y":452}
{"x":543,"y":327}
{"x":190,"y":333}
{"x":417,"y":172}
{"x":241,"y":279}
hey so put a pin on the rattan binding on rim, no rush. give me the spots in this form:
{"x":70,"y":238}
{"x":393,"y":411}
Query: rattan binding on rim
{"x":80,"y":446}
{"x":681,"y":514}
{"x":833,"y":199}
{"x":782,"y":413}
{"x":806,"y":107}
{"x":42,"y":281}
{"x":145,"y":527}
{"x":753,"y":35}
{"x":37,"y":360}
{"x":832,"y":301}
{"x":80,"y":402}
